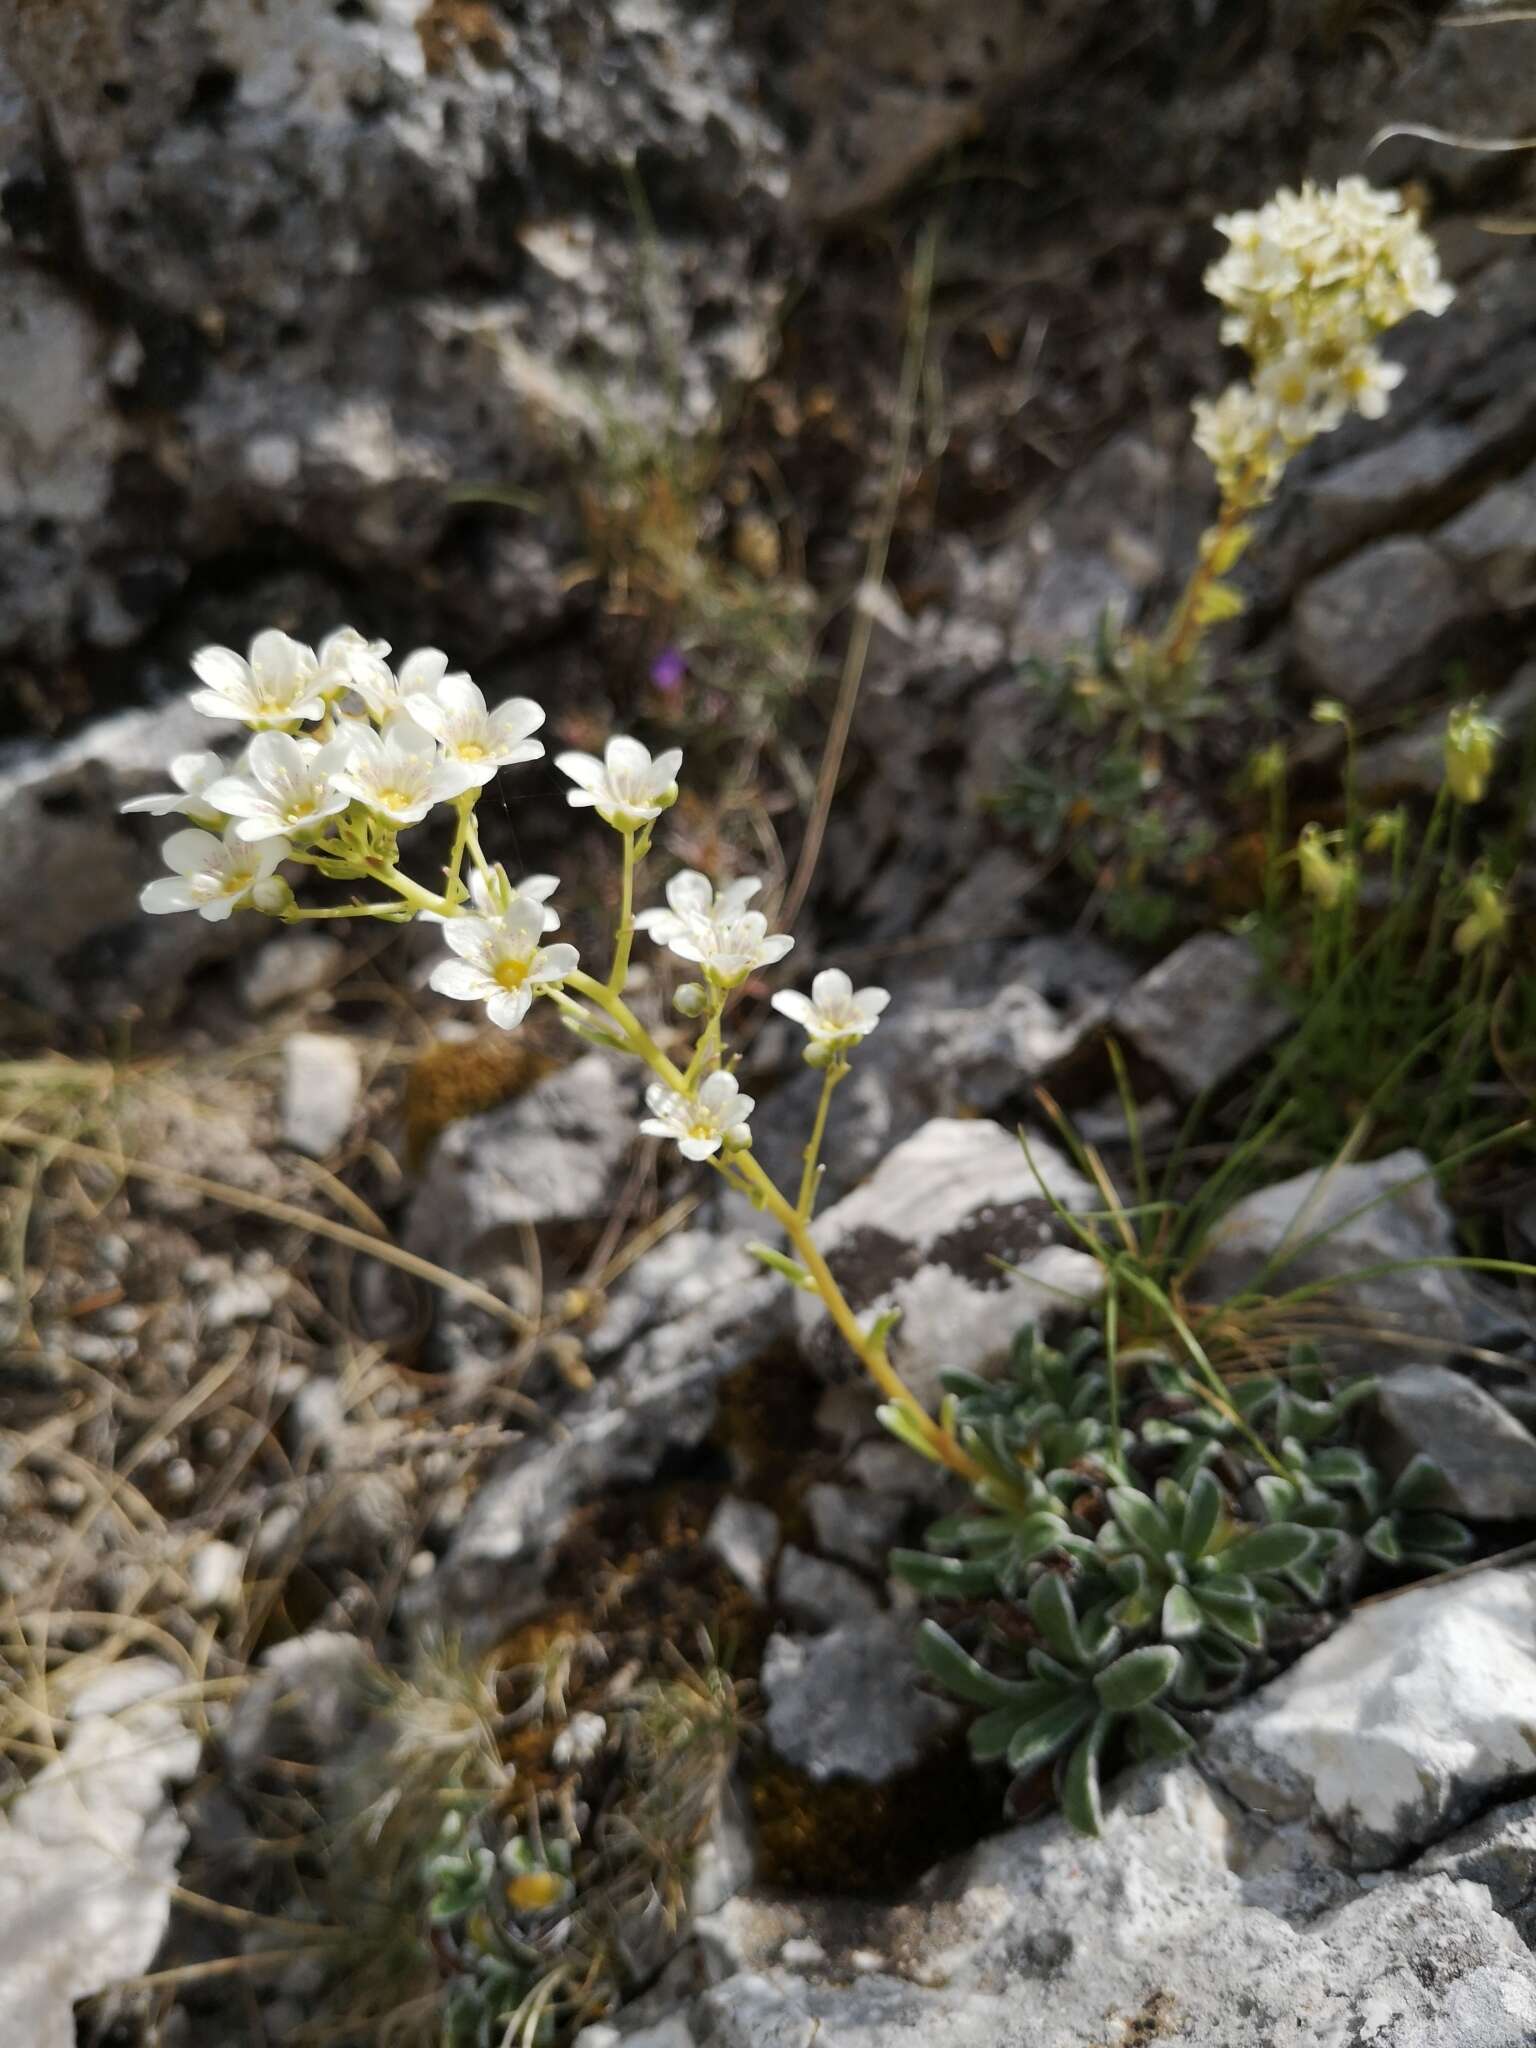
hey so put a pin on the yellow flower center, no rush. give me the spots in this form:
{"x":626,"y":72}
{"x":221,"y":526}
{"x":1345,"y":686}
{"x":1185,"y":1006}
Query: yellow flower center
{"x":470,"y":750}
{"x":395,"y":799}
{"x":511,"y":973}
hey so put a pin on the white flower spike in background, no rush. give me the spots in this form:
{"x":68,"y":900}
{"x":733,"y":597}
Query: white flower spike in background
{"x":500,"y":962}
{"x":700,"y":1125}
{"x":834,"y":1013}
{"x":627,"y":788}
{"x":211,"y":876}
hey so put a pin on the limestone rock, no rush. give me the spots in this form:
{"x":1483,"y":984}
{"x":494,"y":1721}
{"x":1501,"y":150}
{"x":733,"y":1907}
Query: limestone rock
{"x":1202,"y":1013}
{"x":88,"y":1853}
{"x":851,"y":1703}
{"x":817,"y":1594}
{"x":1370,"y":631}
{"x":1337,"y":1221}
{"x":925,"y":1234}
{"x":1411,"y":1716}
{"x":549,"y":1156}
{"x":322,"y":1086}
{"x":1486,"y":1457}
{"x":744,"y":1535}
{"x":850,"y":1523}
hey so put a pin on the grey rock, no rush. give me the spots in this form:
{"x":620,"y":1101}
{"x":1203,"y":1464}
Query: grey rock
{"x":313,"y":308}
{"x":1336,"y":1222}
{"x":1414,"y":1714}
{"x":744,"y":1535}
{"x":815,"y":1593}
{"x":706,"y":1309}
{"x":322,"y":1086}
{"x":89,"y":1850}
{"x":849,"y":1523}
{"x":309,"y":1694}
{"x":1495,"y":540}
{"x":550,"y":1156}
{"x":1498,"y":1851}
{"x":1370,"y":631}
{"x":1392,"y":483}
{"x":75,"y":938}
{"x":1203,"y":1013}
{"x":924,"y":1235}
{"x":289,"y":968}
{"x":1487,"y":1459}
{"x":1179,"y":1925}
{"x":821,"y":1701}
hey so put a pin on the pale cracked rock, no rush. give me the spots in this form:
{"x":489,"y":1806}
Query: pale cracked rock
{"x":322,"y":1086}
{"x":851,"y":1703}
{"x":1202,"y":1013}
{"x":550,"y":1156}
{"x":1413,"y":1714}
{"x":88,"y":1853}
{"x":1336,"y":1222}
{"x":1188,"y":1922}
{"x":1487,"y":1459}
{"x":1370,"y":631}
{"x":954,"y":1229}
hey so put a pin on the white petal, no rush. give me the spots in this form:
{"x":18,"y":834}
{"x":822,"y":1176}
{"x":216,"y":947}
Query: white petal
{"x":584,"y":769}
{"x":192,"y":852}
{"x":170,"y":892}
{"x":538,"y":888}
{"x":873,"y":1000}
{"x":626,"y":757}
{"x":269,"y":853}
{"x":405,"y":736}
{"x":774,"y":947}
{"x":162,"y":806}
{"x":735,"y":896}
{"x":718,"y":1092}
{"x":653,"y":1127}
{"x":690,"y":893}
{"x":259,"y":825}
{"x":698,"y":1148}
{"x":509,"y":1006}
{"x":459,"y":979}
{"x":557,"y":962}
{"x":222,"y":670}
{"x":790,"y":1003}
{"x":276,"y":759}
{"x":422,"y":670}
{"x":515,"y":719}
{"x":194,"y":772}
{"x":664,"y":768}
{"x":831,"y":989}
{"x":457,"y":693}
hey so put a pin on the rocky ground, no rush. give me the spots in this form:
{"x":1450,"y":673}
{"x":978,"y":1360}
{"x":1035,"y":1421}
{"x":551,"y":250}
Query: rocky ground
{"x":340,"y":1338}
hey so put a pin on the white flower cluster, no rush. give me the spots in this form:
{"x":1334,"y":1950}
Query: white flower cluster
{"x":1310,"y":282}
{"x":346,"y":753}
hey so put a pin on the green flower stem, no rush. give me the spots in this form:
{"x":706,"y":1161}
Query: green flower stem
{"x":1184,"y":628}
{"x":413,"y":893}
{"x":479,"y":859}
{"x":465,"y":807}
{"x":810,"y":1179}
{"x":391,"y":911}
{"x":869,"y":1351}
{"x":625,"y":936}
{"x":706,"y":1054}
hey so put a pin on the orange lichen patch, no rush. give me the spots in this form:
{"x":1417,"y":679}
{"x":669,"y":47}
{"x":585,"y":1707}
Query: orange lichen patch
{"x":448,"y":27}
{"x":862,"y":1840}
{"x":452,"y":1080}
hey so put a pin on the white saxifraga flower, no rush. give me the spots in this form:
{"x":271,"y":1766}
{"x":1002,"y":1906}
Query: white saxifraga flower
{"x":193,"y":775}
{"x":496,"y":897}
{"x":700,"y":1125}
{"x":1236,"y":432}
{"x":398,"y":774}
{"x":279,"y":684}
{"x":627,"y":788}
{"x":211,"y":876}
{"x":717,"y":933}
{"x":835,"y":1013}
{"x":501,"y":963}
{"x":477,"y":742}
{"x":385,"y":690}
{"x":284,"y":785}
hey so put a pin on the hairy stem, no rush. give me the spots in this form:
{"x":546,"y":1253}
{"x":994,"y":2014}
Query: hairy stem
{"x":810,"y":1179}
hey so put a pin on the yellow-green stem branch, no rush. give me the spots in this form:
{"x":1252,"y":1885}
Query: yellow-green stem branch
{"x":810,"y":1178}
{"x":624,"y":938}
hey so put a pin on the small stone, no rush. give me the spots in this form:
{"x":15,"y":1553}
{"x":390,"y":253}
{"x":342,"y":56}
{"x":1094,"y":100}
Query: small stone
{"x":322,"y":1085}
{"x":818,"y":1594}
{"x":243,"y":1298}
{"x":1487,"y":1460}
{"x":1414,"y":1714}
{"x":859,"y":1527}
{"x":1203,"y":1013}
{"x":578,"y":1741}
{"x":802,"y":1952}
{"x":744,"y":1535}
{"x":289,"y":967}
{"x":850,"y":1704}
{"x":1370,"y":631}
{"x":215,"y":1575}
{"x":1495,"y":540}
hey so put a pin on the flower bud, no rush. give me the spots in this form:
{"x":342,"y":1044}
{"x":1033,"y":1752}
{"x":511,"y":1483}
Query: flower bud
{"x":1267,"y":767}
{"x":691,"y":1000}
{"x":1485,"y":923}
{"x":272,"y":896}
{"x":1471,"y":740}
{"x":1386,"y":830}
{"x":1325,"y":877}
